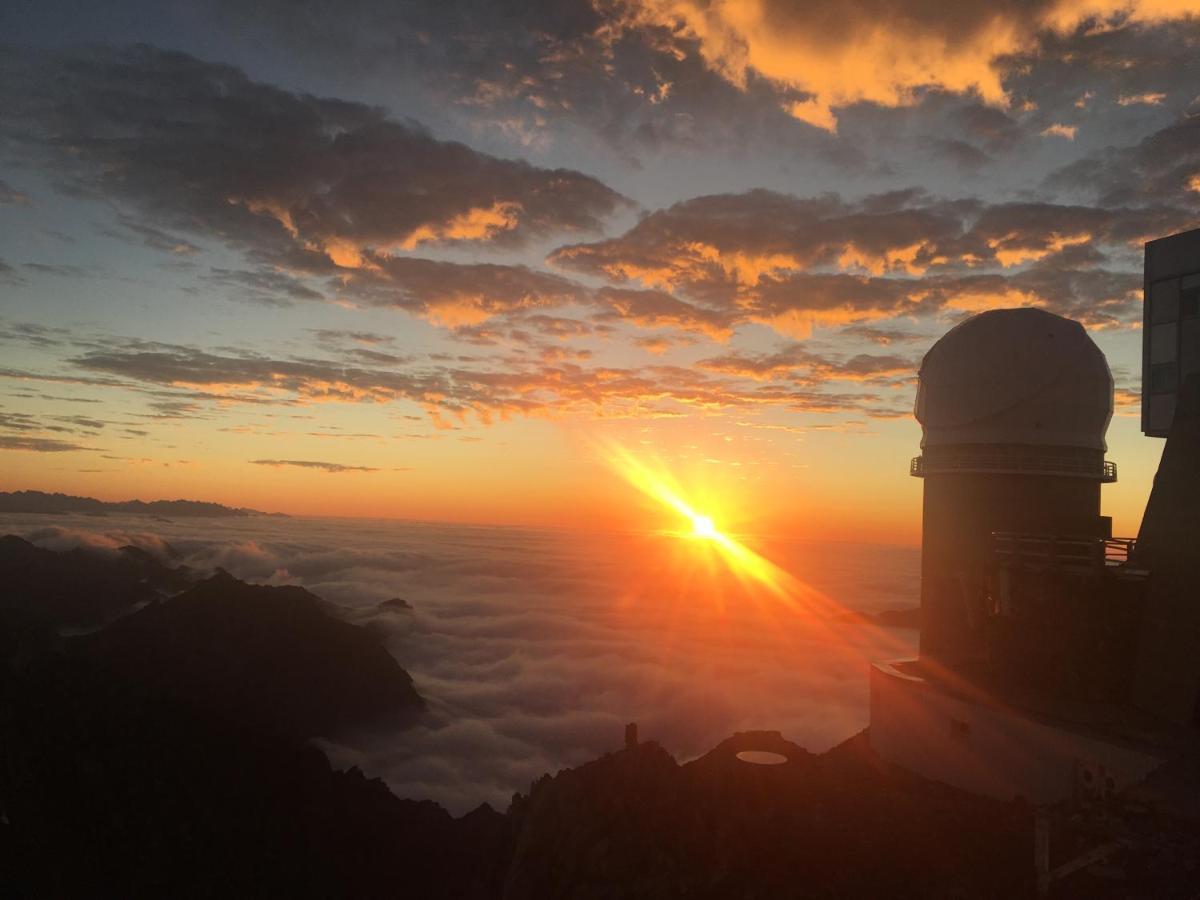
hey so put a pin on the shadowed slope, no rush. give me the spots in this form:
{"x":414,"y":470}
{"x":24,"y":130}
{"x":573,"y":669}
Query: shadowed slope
{"x":269,"y":656}
{"x":81,"y":587}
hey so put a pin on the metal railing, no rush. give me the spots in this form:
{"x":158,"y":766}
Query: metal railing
{"x":1062,"y":550}
{"x":1012,"y":464}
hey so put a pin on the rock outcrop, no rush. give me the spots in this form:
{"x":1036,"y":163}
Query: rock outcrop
{"x":267,"y":656}
{"x":108,"y":790}
{"x":635,"y":824}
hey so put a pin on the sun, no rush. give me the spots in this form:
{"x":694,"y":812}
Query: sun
{"x":657,"y":483}
{"x":703,"y":527}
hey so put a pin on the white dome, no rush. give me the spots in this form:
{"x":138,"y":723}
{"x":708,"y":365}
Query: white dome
{"x":1015,"y":376}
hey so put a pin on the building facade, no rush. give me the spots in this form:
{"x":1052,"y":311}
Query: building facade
{"x":1171,"y":333}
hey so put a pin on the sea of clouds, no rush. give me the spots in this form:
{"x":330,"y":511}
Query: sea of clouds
{"x":534,"y":648}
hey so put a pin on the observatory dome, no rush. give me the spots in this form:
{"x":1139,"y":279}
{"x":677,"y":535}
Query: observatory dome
{"x":1015,"y":376}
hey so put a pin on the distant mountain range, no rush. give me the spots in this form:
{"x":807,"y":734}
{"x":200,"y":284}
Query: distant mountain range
{"x":41,"y":502}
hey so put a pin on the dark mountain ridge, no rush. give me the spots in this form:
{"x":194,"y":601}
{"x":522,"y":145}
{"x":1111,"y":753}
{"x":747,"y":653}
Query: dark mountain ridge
{"x":41,"y":502}
{"x":81,"y":588}
{"x":270,"y":656}
{"x":266,"y":655}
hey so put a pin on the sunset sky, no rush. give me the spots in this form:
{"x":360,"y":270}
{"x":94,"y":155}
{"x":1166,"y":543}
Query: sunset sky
{"x":430,"y":260}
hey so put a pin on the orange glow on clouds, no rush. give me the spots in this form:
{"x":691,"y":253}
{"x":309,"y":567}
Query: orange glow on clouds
{"x":861,"y":52}
{"x":1062,"y":131}
{"x":477,"y":224}
{"x":895,"y":259}
{"x":1009,"y":251}
{"x":978,"y":301}
{"x":473,"y":225}
{"x":1155,"y":99}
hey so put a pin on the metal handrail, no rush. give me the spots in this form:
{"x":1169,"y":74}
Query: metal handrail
{"x":1104,"y":471}
{"x":1055,"y":548}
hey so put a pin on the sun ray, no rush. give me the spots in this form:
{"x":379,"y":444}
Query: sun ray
{"x":709,"y":553}
{"x":744,"y":562}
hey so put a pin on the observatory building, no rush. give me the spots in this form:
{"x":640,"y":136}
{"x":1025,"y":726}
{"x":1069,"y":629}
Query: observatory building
{"x":1053,"y":656}
{"x":1014,"y":404}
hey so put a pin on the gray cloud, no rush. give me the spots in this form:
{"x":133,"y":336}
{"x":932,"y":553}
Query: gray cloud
{"x":128,"y":228}
{"x":544,"y":384}
{"x":312,"y":464}
{"x":267,"y":286}
{"x":963,"y":154}
{"x":335,"y":336}
{"x":62,"y":270}
{"x":40,"y":445}
{"x":1163,"y":166}
{"x":1088,"y":76}
{"x":292,"y":177}
{"x":658,"y":309}
{"x":806,"y":367}
{"x":32,"y":334}
{"x":10,"y":195}
{"x":459,"y":293}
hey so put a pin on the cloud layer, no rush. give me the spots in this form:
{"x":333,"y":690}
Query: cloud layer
{"x":534,"y":649}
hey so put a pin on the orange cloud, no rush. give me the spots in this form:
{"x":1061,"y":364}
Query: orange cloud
{"x":884,"y":53}
{"x":981,"y":299}
{"x":656,"y":345}
{"x":1014,"y":249}
{"x":476,"y":224}
{"x":1060,"y":130}
{"x":1142,"y":99}
{"x":1128,"y":402}
{"x":890,"y":259}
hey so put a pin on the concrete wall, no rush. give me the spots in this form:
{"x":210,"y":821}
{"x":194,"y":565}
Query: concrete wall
{"x":984,"y":749}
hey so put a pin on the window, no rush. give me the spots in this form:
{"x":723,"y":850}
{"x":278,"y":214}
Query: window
{"x":1159,"y":411}
{"x":1164,"y":301}
{"x":1164,"y":343}
{"x":1189,"y":302}
{"x":1162,"y":378}
{"x":1189,"y":347}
